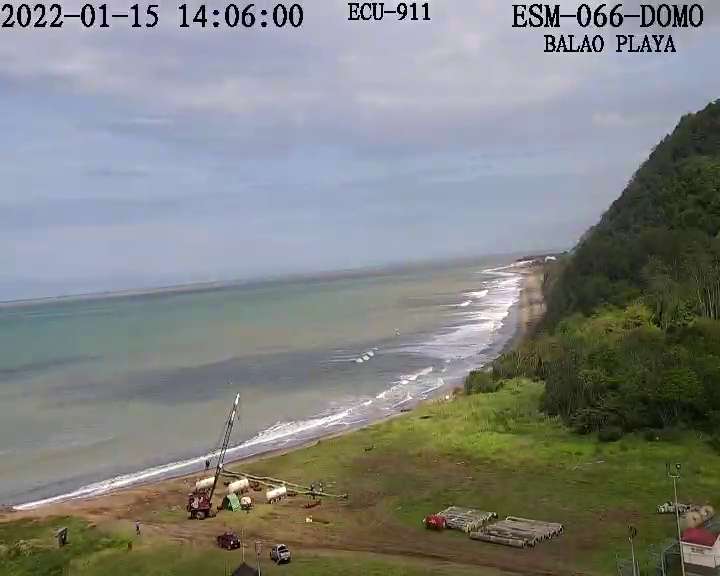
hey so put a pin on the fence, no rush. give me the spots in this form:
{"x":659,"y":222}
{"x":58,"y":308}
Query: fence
{"x":656,"y":560}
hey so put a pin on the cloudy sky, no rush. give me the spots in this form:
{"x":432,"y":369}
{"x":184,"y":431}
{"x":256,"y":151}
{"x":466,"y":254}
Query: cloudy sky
{"x":134,"y":158}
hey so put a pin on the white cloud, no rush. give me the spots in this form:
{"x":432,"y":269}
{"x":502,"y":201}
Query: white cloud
{"x":392,"y":119}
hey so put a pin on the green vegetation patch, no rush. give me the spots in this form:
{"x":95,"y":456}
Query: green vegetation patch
{"x":29,"y":547}
{"x":633,"y":315}
{"x":186,"y":561}
{"x":498,"y":452}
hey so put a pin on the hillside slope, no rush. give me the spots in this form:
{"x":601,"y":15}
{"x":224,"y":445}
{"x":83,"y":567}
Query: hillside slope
{"x":671,"y":204}
{"x":632,"y":337}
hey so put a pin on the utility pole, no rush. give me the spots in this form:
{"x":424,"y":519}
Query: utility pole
{"x":258,"y":547}
{"x":632,"y":532}
{"x":675,"y":477}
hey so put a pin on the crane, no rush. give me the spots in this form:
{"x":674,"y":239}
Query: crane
{"x":200,"y":501}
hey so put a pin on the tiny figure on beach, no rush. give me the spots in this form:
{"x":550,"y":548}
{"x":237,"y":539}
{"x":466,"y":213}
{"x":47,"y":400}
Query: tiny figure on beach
{"x":137,"y":527}
{"x":207,"y":464}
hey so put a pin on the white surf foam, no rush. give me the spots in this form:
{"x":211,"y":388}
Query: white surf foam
{"x":477,"y":295}
{"x":479,"y":324}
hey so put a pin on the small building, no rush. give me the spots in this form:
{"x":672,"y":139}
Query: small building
{"x":701,"y":551}
{"x":245,"y":570}
{"x":62,"y":537}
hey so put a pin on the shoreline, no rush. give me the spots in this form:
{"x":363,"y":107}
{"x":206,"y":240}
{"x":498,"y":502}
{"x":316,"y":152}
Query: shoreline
{"x":524,"y":314}
{"x":530,"y":307}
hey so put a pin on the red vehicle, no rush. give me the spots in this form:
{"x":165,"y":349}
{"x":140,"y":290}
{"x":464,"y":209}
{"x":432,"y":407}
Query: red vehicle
{"x":229,"y":541}
{"x":199,"y":505}
{"x":435,"y":522}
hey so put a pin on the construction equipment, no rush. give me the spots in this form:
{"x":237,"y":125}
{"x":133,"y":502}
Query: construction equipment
{"x":199,"y":504}
{"x":293,"y":489}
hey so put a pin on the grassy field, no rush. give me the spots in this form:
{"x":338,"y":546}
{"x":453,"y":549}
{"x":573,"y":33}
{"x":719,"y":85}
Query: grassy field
{"x":494,"y":452}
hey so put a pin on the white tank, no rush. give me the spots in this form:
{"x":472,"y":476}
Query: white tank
{"x":242,"y":485}
{"x":276,"y":494}
{"x":205,"y":483}
{"x":691,"y":520}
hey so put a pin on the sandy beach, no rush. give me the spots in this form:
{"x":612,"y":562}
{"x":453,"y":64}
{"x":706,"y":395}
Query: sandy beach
{"x":531,"y":305}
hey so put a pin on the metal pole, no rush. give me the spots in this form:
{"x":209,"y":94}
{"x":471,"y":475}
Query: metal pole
{"x":632,"y":532}
{"x":257,"y":553}
{"x":675,"y":477}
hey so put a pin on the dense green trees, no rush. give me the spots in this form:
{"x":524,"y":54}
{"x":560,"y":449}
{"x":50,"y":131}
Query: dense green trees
{"x":632,"y":333}
{"x":670,"y":208}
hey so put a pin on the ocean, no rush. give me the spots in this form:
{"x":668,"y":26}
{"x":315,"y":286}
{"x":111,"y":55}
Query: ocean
{"x":105,"y":392}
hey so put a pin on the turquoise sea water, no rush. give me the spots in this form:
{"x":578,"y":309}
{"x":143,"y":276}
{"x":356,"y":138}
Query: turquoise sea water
{"x":97,"y":393}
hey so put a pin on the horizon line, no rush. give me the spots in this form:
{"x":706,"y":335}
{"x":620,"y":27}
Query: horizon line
{"x":230,"y":282}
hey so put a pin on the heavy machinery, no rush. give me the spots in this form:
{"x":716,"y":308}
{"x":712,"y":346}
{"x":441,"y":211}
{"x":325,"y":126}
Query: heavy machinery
{"x":199,"y":504}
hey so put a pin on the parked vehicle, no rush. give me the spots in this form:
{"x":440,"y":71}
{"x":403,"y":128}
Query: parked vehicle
{"x":435,"y":522}
{"x":280,"y":554}
{"x":229,"y":541}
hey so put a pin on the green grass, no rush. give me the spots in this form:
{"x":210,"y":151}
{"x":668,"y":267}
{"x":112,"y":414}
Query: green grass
{"x":492,"y":451}
{"x":176,"y":561}
{"x":495,"y":451}
{"x":30,"y":548}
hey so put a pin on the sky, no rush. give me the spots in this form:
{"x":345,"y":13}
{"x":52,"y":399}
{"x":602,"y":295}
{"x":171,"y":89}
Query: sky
{"x":134,"y":158}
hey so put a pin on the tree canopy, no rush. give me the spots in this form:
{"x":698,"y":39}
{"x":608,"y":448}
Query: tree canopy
{"x":632,"y":333}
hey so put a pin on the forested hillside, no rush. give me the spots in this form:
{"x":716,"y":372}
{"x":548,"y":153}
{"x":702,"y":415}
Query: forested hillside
{"x":632,"y":333}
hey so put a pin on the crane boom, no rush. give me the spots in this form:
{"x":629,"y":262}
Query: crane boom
{"x":225,"y":443}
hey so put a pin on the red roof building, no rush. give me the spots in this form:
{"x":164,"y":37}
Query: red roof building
{"x":701,"y":550}
{"x":700,"y":537}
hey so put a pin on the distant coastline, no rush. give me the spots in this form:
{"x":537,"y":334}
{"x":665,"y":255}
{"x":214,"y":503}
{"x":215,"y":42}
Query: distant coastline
{"x":261,"y":281}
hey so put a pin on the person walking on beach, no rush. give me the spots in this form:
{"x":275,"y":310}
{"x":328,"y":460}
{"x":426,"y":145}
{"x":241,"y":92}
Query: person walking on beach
{"x":137,"y":527}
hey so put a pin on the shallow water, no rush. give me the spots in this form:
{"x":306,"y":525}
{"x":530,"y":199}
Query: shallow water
{"x":136,"y":388}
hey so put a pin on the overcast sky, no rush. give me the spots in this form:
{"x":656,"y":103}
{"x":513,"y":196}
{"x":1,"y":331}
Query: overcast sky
{"x":134,"y":158}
